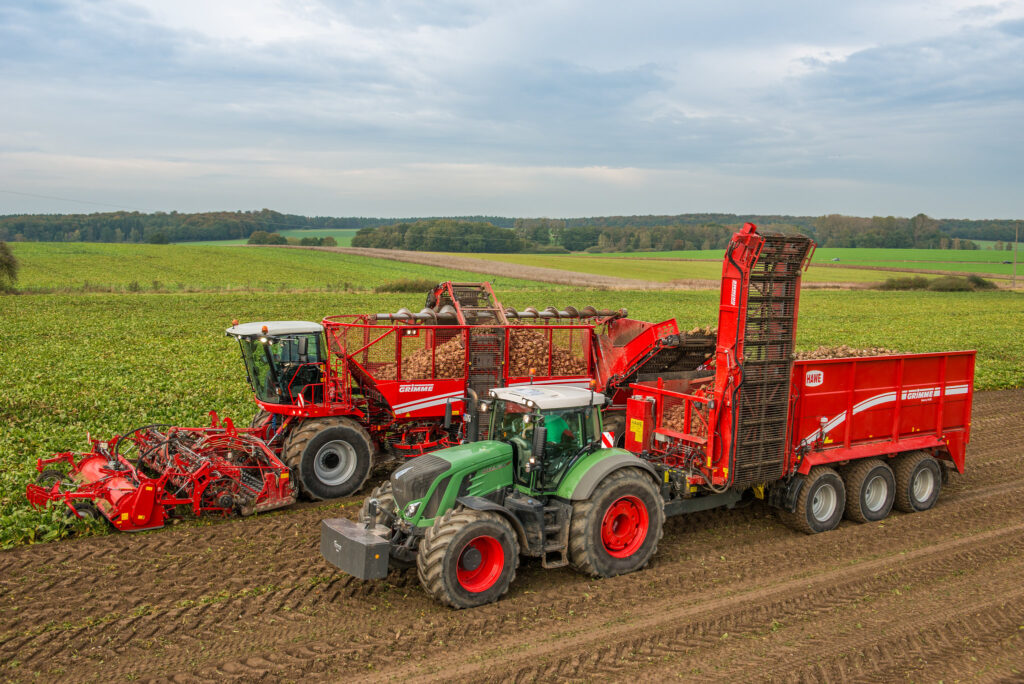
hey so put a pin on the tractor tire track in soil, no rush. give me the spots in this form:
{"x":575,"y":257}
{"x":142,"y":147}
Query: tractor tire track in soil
{"x":731,"y":595}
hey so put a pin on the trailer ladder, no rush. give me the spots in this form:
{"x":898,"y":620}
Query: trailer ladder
{"x":768,"y":342}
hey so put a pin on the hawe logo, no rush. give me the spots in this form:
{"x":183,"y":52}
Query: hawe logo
{"x":416,"y":388}
{"x":814,"y":378}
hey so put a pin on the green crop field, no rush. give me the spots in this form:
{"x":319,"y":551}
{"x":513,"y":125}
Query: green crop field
{"x":343,"y":236}
{"x":101,"y":267}
{"x":108,"y":362}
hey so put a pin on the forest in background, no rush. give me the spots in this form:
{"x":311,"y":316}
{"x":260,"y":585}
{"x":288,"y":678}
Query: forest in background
{"x":503,"y":234}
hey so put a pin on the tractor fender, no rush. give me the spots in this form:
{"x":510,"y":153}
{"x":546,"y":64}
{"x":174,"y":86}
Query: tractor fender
{"x":479,"y":503}
{"x":580,"y":482}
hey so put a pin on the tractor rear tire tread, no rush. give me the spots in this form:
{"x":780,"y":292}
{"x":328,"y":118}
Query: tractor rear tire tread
{"x":584,"y":555}
{"x":430,"y":557}
{"x":299,"y":437}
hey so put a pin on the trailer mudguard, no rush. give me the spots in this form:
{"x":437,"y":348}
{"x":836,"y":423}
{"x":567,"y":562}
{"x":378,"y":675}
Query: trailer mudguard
{"x":580,"y":482}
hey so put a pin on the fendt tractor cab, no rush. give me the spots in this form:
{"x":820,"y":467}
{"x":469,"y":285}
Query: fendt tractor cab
{"x":542,"y":485}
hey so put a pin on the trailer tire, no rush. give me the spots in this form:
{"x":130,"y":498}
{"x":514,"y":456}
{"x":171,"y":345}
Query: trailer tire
{"x":329,"y":457}
{"x":618,"y":528}
{"x":821,"y":503}
{"x":468,"y":558}
{"x":918,"y":481}
{"x":385,"y":500}
{"x":870,"y":490}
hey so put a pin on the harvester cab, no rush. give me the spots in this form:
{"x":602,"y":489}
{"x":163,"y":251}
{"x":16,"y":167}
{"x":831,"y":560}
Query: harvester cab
{"x":284,"y":360}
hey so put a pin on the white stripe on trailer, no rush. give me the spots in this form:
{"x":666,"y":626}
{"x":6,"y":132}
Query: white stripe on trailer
{"x":885,"y":397}
{"x":431,"y":400}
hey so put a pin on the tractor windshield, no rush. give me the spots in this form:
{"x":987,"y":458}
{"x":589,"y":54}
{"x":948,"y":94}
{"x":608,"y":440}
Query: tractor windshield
{"x":282,"y":369}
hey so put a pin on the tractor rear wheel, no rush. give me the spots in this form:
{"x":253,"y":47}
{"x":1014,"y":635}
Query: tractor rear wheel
{"x":821,"y":503}
{"x":918,"y":481}
{"x":329,"y":457}
{"x":617,"y":529}
{"x":468,"y":558}
{"x":870,"y":490}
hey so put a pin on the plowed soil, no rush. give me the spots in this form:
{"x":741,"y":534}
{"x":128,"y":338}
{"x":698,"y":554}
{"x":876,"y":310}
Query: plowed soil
{"x":731,"y":595}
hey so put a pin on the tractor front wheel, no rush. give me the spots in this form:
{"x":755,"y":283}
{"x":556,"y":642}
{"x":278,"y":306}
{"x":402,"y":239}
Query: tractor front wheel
{"x":918,"y":481}
{"x":331,"y":457}
{"x":617,"y":529}
{"x":468,"y":558}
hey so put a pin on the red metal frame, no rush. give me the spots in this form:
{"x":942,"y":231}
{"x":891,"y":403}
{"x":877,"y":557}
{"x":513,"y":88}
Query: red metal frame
{"x":212,"y":470}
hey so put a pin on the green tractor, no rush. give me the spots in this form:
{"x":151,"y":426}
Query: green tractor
{"x":542,"y":485}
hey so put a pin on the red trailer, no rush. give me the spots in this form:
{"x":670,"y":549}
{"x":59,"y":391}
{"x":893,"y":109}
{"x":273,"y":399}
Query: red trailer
{"x":817,"y":438}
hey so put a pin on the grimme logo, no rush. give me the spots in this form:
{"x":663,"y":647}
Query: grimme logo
{"x":416,"y":388}
{"x":814,"y":378}
{"x":732,"y":294}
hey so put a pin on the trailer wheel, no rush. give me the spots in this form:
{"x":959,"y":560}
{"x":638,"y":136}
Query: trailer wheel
{"x":870,"y":490}
{"x":617,"y":529}
{"x":821,"y":503}
{"x":331,"y":457}
{"x":385,"y":502}
{"x":468,"y":558}
{"x":918,"y":481}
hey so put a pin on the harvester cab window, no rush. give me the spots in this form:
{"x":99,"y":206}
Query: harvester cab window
{"x":280,"y":369}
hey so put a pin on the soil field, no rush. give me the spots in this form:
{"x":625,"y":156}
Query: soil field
{"x":731,"y":595}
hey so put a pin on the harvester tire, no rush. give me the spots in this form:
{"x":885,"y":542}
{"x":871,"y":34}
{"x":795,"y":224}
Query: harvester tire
{"x":329,"y":457}
{"x":870,"y":490}
{"x":468,"y":558}
{"x":618,"y":528}
{"x":918,"y":481}
{"x":821,"y":504}
{"x":86,"y":510}
{"x":49,"y":477}
{"x":385,"y":501}
{"x":260,"y":418}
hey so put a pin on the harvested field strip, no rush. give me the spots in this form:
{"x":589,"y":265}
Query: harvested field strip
{"x":252,"y":599}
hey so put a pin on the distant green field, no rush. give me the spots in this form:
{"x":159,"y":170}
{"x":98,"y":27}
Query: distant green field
{"x":343,"y":236}
{"x":100,"y":267}
{"x":642,"y":267}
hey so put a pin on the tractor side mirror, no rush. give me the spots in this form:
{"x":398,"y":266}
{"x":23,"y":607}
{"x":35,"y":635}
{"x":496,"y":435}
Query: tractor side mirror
{"x":540,"y":435}
{"x":303,"y":349}
{"x":448,"y":415}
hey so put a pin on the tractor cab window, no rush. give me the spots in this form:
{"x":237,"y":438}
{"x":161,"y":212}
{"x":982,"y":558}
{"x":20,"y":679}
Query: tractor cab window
{"x":568,"y":432}
{"x":510,"y":420}
{"x":284,"y":368}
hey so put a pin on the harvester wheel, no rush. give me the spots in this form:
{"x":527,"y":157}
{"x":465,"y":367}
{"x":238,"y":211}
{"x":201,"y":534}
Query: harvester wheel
{"x":468,"y":558}
{"x":821,"y":504}
{"x":385,"y":502}
{"x":86,"y":510}
{"x":331,"y":457}
{"x":260,"y":418}
{"x":918,"y":481}
{"x":870,"y":490}
{"x":617,"y":529}
{"x":49,"y":477}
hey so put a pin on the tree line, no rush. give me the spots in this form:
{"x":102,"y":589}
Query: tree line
{"x":503,"y":234}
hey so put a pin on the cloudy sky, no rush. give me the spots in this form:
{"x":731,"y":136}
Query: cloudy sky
{"x":555,"y":108}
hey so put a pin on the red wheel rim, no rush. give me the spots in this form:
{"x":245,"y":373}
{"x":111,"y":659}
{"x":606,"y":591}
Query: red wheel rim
{"x":480,"y":564}
{"x":624,"y":527}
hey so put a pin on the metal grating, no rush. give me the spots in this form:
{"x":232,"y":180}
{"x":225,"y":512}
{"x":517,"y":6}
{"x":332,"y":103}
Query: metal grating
{"x":769,"y":331}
